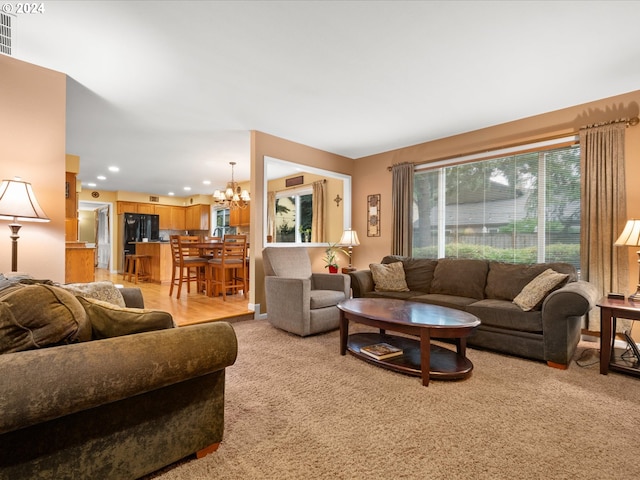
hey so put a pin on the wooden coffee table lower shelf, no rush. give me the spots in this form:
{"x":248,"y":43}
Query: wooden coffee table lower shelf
{"x":444,"y":364}
{"x":418,"y":323}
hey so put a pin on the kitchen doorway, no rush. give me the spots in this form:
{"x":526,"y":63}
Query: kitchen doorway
{"x":97,"y":229}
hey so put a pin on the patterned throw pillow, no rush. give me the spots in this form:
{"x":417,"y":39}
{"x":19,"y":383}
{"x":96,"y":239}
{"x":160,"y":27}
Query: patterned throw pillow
{"x":537,"y":289}
{"x":105,"y":291}
{"x":389,"y":277}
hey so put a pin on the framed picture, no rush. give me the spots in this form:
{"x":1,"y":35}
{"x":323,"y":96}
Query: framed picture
{"x":373,"y":215}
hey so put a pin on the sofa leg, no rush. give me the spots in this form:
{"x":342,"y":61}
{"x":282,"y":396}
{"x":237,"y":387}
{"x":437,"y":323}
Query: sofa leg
{"x":207,"y":450}
{"x":560,"y":366}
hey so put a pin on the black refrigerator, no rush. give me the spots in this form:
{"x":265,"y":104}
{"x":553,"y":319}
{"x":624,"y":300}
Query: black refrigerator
{"x":138,"y":226}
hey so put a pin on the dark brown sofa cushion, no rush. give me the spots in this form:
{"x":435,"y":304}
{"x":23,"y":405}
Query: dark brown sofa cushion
{"x":462,"y":277}
{"x":418,"y":271}
{"x":37,"y":316}
{"x":506,"y":280}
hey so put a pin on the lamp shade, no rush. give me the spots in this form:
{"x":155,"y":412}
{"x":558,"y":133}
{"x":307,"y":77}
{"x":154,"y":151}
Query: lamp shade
{"x":349,"y":238}
{"x":630,"y":235}
{"x":18,"y":202}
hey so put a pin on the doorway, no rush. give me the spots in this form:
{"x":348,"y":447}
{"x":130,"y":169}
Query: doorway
{"x":96,"y":228}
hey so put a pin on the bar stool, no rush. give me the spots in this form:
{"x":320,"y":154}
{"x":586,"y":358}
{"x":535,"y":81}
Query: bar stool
{"x":137,"y":267}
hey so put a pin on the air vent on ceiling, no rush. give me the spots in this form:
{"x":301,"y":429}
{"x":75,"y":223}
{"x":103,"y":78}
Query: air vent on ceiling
{"x":154,"y":199}
{"x":5,"y":34}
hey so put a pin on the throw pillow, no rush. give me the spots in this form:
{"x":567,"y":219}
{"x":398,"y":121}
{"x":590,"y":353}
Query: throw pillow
{"x":389,"y":277}
{"x":37,"y":316}
{"x":108,"y":320}
{"x":105,"y":291}
{"x":536,"y":290}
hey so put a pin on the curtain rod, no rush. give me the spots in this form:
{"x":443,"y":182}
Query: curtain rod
{"x":630,"y":122}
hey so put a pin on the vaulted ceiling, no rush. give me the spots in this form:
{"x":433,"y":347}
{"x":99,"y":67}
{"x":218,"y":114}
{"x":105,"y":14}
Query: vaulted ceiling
{"x":169,"y":90}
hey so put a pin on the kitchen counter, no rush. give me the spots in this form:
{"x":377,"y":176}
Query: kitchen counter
{"x":79,"y":263}
{"x":161,"y":260}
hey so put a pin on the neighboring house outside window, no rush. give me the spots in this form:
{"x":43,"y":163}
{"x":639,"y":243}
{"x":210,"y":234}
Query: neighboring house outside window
{"x":522,"y":208}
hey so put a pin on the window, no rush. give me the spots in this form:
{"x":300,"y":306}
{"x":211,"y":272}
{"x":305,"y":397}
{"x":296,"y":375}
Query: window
{"x":293,"y":215}
{"x":521,"y":208}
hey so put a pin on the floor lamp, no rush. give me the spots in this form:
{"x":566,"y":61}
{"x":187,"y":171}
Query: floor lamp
{"x":630,"y":236}
{"x":18,"y":203}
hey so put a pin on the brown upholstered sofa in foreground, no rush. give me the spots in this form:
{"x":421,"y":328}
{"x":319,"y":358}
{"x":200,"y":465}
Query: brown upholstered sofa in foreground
{"x":549,"y":331}
{"x":116,"y":407}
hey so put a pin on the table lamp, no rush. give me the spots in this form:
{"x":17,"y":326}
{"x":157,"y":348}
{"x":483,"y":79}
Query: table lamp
{"x":18,"y":202}
{"x":630,"y":236}
{"x":349,"y":239}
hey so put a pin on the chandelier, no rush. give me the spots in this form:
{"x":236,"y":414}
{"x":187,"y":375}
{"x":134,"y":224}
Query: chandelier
{"x":233,"y":196}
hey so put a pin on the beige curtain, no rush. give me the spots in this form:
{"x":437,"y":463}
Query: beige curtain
{"x":318,"y":220}
{"x":604,"y":212}
{"x":271,"y":216}
{"x":402,"y":205}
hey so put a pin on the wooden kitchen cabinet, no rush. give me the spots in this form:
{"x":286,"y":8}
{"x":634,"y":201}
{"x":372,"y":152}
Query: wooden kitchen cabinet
{"x":71,"y":208}
{"x":178,"y":218}
{"x":239,"y":217}
{"x":127,"y":207}
{"x":197,"y":217}
{"x":147,"y":208}
{"x":164,"y":216}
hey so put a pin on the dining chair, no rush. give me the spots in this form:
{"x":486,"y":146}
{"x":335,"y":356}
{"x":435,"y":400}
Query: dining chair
{"x":228,"y":271}
{"x":188,"y":265}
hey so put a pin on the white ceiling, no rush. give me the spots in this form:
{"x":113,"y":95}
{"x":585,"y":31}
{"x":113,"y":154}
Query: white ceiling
{"x":169,"y":90}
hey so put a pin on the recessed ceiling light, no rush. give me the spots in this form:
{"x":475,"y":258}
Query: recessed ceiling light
{"x":101,"y":177}
{"x":187,"y":189}
{"x":91,"y":184}
{"x":206,"y":182}
{"x":171,"y":194}
{"x":114,"y":169}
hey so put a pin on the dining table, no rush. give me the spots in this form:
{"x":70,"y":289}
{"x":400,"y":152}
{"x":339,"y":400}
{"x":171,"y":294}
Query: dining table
{"x":209,"y":249}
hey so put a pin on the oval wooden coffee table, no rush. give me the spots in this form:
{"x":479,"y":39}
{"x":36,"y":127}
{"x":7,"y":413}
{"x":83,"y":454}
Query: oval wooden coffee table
{"x":421,"y":320}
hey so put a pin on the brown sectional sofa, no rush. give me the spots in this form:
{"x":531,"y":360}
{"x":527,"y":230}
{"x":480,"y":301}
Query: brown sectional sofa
{"x":120,"y":400}
{"x":550,"y":332}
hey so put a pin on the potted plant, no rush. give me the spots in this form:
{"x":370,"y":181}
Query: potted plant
{"x":330,"y":259}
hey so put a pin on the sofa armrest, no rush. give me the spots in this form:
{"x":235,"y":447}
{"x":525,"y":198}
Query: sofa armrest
{"x":575,"y":299}
{"x":132,"y":297}
{"x":562,"y":313}
{"x":331,"y":281}
{"x":40,"y":385}
{"x":361,"y":283}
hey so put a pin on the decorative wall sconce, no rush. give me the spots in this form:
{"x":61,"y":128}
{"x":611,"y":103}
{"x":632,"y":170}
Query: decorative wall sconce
{"x":337,"y":200}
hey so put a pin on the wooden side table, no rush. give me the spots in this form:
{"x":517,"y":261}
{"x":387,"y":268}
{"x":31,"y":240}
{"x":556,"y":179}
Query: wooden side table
{"x":610,"y":311}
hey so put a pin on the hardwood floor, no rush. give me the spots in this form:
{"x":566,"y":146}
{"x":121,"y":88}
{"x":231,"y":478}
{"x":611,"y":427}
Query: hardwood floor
{"x":191,"y":307}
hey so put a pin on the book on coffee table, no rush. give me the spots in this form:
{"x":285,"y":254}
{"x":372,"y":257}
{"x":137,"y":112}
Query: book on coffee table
{"x":380,"y":351}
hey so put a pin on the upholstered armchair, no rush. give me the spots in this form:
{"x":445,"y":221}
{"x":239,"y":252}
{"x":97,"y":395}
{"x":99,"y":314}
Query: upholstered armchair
{"x":298,"y":300}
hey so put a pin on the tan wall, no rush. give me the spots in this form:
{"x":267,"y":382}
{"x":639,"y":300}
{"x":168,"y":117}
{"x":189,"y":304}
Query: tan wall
{"x":264,"y":145}
{"x":371,"y":175}
{"x":32,"y":122}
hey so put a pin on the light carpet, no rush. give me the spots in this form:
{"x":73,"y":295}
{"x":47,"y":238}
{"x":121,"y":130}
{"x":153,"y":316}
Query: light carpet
{"x":296,"y":409}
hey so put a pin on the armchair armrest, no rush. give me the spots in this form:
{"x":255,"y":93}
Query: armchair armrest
{"x":41,"y":385}
{"x":331,"y":281}
{"x":361,"y":283}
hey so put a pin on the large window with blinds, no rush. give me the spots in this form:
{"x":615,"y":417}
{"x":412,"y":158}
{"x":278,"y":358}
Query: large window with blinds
{"x":521,"y":208}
